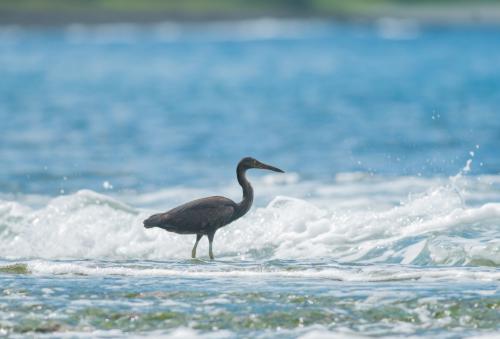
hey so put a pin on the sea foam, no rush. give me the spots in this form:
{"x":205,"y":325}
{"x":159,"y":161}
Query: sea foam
{"x":260,"y":270}
{"x":404,"y":220}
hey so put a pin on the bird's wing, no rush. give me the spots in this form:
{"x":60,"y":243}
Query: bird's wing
{"x":199,"y":216}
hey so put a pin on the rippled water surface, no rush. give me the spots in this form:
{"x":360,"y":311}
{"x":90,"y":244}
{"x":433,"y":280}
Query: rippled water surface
{"x":387,"y":222}
{"x":250,"y":299}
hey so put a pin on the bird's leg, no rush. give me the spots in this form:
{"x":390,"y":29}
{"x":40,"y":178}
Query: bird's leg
{"x":193,"y":252}
{"x":210,"y":241}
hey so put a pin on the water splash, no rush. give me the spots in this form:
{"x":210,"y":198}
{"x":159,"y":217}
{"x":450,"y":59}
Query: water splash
{"x":432,"y":227}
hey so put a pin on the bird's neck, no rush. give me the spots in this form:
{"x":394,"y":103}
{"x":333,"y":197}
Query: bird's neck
{"x":247,"y":201}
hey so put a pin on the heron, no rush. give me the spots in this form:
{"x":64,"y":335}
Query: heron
{"x":205,"y":216}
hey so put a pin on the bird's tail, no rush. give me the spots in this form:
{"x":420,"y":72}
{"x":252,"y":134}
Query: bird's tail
{"x":152,"y":221}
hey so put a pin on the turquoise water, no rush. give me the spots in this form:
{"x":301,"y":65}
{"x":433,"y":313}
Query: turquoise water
{"x":387,"y":222}
{"x":230,"y":298}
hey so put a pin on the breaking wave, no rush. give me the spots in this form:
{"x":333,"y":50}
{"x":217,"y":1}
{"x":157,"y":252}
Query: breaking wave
{"x":355,"y":219}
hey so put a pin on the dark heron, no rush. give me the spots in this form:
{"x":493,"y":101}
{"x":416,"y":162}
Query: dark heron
{"x":205,"y":216}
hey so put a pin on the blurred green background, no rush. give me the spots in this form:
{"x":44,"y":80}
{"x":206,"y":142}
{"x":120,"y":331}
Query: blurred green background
{"x":112,"y":10}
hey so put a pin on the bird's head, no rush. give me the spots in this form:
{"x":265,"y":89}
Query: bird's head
{"x":249,"y":162}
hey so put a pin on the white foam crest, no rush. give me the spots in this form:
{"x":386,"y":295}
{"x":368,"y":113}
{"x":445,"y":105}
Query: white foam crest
{"x":433,"y":227}
{"x":410,"y":233}
{"x":83,"y":225}
{"x":367,"y":273}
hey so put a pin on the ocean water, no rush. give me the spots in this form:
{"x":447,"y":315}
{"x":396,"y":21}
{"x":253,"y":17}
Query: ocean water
{"x":387,"y":222}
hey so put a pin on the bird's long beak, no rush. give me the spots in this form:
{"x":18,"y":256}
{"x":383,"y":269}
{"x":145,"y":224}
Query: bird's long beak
{"x":260,"y":165}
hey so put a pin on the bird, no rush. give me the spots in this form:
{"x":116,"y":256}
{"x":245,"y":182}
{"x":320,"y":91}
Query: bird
{"x":205,"y":216}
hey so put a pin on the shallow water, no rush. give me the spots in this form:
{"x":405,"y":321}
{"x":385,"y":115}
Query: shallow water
{"x":387,"y":222}
{"x":249,"y":299}
{"x":357,"y":256}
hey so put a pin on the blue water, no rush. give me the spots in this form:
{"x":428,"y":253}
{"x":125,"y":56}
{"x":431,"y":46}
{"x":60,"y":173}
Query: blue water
{"x":387,"y":221}
{"x":145,"y":107}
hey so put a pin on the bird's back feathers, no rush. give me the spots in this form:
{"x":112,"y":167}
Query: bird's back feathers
{"x":200,"y":216}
